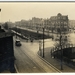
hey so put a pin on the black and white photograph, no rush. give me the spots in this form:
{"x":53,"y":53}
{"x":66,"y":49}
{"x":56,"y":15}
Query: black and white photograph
{"x":37,"y":37}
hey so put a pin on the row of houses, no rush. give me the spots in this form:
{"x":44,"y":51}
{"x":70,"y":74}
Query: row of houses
{"x":54,"y":23}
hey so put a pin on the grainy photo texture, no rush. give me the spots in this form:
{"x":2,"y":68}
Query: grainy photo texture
{"x":37,"y":37}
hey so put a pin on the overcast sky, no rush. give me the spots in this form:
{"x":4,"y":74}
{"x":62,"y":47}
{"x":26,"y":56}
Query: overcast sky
{"x":16,"y":11}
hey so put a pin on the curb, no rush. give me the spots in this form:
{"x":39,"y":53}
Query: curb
{"x":49,"y":63}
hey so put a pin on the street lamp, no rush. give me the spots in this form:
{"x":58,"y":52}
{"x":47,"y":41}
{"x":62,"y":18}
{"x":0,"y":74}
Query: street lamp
{"x":43,"y":38}
{"x":43,"y":42}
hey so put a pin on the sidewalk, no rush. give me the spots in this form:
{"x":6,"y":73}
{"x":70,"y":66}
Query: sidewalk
{"x":55,"y":62}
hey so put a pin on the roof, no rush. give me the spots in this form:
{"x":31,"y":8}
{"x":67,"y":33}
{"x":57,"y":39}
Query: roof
{"x":64,"y":17}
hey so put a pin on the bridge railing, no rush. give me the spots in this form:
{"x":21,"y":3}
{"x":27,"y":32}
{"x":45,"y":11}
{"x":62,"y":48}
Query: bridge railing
{"x":63,"y":47}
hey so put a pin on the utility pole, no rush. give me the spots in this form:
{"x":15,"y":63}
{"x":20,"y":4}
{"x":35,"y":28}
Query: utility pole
{"x":43,"y":43}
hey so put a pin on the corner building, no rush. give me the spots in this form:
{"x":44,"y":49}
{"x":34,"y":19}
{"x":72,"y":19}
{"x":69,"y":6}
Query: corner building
{"x":59,"y":23}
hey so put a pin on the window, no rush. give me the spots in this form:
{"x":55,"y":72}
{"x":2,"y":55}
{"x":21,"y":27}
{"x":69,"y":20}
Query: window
{"x":64,"y":18}
{"x":58,"y":17}
{"x":61,"y":22}
{"x":65,"y":22}
{"x":58,"y":22}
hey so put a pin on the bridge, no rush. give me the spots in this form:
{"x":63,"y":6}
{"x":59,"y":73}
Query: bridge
{"x":64,"y":52}
{"x":31,"y":33}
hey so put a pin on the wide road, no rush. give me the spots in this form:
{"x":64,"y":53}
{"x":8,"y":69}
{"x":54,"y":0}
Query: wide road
{"x":24,"y":64}
{"x":28,"y":61}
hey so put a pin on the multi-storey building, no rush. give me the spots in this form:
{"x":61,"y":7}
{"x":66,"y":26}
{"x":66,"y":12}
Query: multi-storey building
{"x":53,"y":24}
{"x":59,"y":23}
{"x":47,"y":24}
{"x":72,"y":24}
{"x":37,"y":23}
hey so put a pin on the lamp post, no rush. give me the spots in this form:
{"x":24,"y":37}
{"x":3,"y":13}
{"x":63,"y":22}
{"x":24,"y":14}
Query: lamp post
{"x":43,"y":38}
{"x":43,"y":42}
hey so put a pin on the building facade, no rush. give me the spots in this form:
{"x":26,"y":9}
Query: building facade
{"x":47,"y":24}
{"x":59,"y":23}
{"x":53,"y":24}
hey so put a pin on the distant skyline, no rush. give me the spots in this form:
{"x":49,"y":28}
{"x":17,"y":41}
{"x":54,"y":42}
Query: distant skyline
{"x":16,"y":11}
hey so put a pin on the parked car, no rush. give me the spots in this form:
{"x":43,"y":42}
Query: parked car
{"x":18,"y":43}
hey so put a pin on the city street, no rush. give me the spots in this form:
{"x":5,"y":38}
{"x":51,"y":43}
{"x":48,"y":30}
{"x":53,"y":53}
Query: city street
{"x":24,"y":64}
{"x":27,"y":60}
{"x":37,"y":37}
